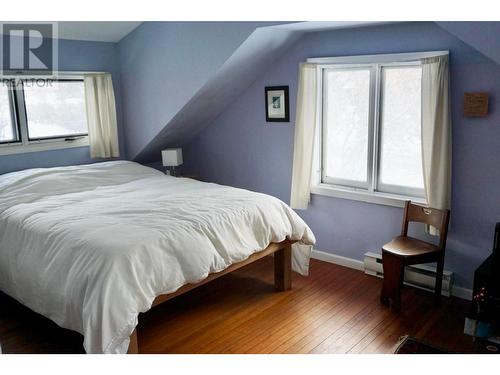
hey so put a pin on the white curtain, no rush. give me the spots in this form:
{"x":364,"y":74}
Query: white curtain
{"x":305,"y":127}
{"x":101,"y":116}
{"x":436,"y":132}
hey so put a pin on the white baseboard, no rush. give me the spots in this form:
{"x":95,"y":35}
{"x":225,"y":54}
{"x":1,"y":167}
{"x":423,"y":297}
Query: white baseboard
{"x":463,"y":293}
{"x":338,"y":259}
{"x":456,"y":291}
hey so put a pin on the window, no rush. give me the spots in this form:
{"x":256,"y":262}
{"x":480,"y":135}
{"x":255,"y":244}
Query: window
{"x":55,"y":111}
{"x":369,"y":141}
{"x":400,"y":153}
{"x":346,"y":126}
{"x":40,"y":115}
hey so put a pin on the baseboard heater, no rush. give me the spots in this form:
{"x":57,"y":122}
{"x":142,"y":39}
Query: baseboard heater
{"x":420,"y":276}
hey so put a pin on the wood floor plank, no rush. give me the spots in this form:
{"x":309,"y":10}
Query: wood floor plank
{"x":409,"y":320}
{"x":242,"y":293}
{"x":306,"y":311}
{"x":385,"y":323}
{"x":274,"y":316}
{"x":344,"y":343}
{"x":288,"y":330}
{"x":239,"y":318}
{"x":334,"y":310}
{"x":334,"y":329}
{"x":329,"y":321}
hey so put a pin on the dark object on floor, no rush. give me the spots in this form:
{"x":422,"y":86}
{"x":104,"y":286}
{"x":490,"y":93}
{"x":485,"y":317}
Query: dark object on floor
{"x":410,"y":345}
{"x":404,"y":250}
{"x":487,"y":275}
{"x":485,"y":307}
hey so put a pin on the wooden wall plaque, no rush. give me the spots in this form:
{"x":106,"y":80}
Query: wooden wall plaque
{"x":476,"y":104}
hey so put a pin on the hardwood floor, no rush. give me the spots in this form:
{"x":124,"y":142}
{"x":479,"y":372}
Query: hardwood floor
{"x":334,"y":310}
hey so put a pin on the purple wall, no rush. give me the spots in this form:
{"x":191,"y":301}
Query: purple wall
{"x":75,"y":55}
{"x":163,"y":64}
{"x":476,"y":34}
{"x":239,"y":148}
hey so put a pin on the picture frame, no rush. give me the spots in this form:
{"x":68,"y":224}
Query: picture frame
{"x":277,"y":106}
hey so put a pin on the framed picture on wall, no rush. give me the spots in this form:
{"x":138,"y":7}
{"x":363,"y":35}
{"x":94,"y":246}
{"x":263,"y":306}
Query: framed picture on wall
{"x":277,"y":109}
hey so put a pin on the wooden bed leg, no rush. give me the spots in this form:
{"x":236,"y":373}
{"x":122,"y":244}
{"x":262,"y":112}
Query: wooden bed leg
{"x":283,"y":268}
{"x":133,"y":347}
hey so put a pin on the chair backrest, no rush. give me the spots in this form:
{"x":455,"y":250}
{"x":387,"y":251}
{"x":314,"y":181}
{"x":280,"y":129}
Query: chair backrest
{"x":427,"y":215}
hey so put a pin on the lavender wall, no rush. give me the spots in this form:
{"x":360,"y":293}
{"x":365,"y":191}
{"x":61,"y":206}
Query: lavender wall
{"x":476,"y":34}
{"x":77,"y":56}
{"x":163,"y":64}
{"x":239,"y":148}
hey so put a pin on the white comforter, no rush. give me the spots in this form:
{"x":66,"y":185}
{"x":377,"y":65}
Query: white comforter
{"x":92,"y":246}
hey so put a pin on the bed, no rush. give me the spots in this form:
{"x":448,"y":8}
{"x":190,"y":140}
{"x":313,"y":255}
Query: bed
{"x":90,"y":247}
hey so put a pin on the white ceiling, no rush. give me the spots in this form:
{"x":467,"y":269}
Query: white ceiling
{"x":99,"y":31}
{"x":114,"y":31}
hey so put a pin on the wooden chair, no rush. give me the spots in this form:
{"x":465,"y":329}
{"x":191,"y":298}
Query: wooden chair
{"x":404,"y":250}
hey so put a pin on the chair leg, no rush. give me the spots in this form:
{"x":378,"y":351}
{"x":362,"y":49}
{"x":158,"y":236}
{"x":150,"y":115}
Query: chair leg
{"x":393,"y":279}
{"x":439,"y":279}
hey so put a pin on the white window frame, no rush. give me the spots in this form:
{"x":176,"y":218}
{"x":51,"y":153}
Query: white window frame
{"x":22,"y":144}
{"x":393,"y":195}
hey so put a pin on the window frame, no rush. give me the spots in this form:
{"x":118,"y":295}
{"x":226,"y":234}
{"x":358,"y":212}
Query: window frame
{"x":23,"y":144}
{"x":392,"y":195}
{"x":13,"y":117}
{"x":57,"y":137}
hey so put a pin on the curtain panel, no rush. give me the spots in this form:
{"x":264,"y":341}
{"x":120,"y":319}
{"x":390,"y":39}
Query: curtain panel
{"x":305,"y":128}
{"x":101,"y":116}
{"x":436,"y":132}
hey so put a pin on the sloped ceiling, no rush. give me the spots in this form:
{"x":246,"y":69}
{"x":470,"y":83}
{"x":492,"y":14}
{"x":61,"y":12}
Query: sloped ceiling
{"x":252,"y":57}
{"x":236,"y":74}
{"x":164,"y":64}
{"x":482,"y":36}
{"x":244,"y":65}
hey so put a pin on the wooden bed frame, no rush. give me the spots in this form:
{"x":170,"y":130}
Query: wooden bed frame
{"x":282,"y":277}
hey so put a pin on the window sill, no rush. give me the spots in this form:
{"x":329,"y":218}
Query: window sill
{"x":37,"y":146}
{"x":364,"y":196}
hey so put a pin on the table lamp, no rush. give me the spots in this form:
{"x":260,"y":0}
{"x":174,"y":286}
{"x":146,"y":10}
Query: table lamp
{"x":171,"y":158}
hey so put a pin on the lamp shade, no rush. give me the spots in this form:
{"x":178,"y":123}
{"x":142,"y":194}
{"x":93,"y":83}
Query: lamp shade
{"x":171,"y":157}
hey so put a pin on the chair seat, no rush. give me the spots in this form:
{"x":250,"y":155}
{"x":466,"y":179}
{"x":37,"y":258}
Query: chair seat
{"x":409,"y":247}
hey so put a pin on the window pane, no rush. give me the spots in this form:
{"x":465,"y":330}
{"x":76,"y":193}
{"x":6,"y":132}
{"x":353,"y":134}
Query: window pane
{"x":346,"y":114}
{"x":6,"y":127}
{"x":400,"y":154}
{"x":55,"y":109}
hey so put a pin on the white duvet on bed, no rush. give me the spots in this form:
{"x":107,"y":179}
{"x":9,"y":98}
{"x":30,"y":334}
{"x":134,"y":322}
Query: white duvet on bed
{"x":92,"y":246}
